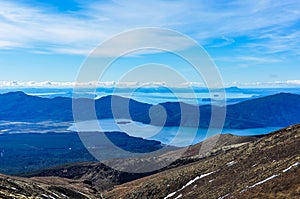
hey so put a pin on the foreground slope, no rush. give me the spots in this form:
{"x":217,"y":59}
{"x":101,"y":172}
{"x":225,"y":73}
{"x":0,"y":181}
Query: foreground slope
{"x":238,"y":167}
{"x":90,"y":180}
{"x":267,"y":168}
{"x":102,"y":177}
{"x":17,"y":188}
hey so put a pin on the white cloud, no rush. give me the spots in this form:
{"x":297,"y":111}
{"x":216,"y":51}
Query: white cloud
{"x":155,"y":40}
{"x":31,"y":84}
{"x":296,"y":82}
{"x":258,"y":60}
{"x":9,"y":44}
{"x":271,"y":84}
{"x":246,"y":61}
{"x":92,"y":84}
{"x":225,"y":41}
{"x":113,"y":84}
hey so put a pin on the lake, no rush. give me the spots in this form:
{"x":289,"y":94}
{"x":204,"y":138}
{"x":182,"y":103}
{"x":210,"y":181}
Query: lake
{"x":176,"y":136}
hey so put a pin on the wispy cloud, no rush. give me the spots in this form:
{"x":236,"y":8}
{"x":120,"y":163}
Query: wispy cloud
{"x":9,"y":44}
{"x":246,"y":61}
{"x":78,"y":32}
{"x":258,"y":60}
{"x":278,"y":42}
{"x":224,"y":41}
{"x":38,"y":28}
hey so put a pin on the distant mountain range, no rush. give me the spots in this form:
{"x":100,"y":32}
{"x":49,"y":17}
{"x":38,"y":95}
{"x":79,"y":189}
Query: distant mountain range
{"x":277,"y":110}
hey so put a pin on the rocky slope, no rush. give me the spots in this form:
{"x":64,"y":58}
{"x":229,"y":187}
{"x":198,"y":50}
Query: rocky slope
{"x":267,"y":168}
{"x":237,"y":167}
{"x":102,"y":177}
{"x":15,"y":188}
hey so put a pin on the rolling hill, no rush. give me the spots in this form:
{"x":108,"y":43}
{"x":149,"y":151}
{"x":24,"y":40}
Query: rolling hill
{"x":281,"y":109}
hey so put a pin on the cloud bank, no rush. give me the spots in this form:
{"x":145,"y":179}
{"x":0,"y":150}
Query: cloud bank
{"x":112,"y":84}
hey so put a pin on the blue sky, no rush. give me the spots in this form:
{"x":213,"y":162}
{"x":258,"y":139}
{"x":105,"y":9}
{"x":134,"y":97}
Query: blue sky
{"x":252,"y":43}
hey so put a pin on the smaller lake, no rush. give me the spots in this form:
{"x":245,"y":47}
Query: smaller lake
{"x":176,"y":136}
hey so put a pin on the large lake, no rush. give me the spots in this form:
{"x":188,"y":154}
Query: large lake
{"x":176,"y":136}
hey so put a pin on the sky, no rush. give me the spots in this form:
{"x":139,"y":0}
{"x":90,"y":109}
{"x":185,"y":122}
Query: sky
{"x":252,"y":43}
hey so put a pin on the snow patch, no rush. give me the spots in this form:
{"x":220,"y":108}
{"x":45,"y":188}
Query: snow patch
{"x":12,"y":188}
{"x":170,"y":195}
{"x":64,"y":195}
{"x":179,"y":196}
{"x":55,"y":195}
{"x":222,"y":197}
{"x":273,"y":176}
{"x":48,"y":196}
{"x":263,"y":181}
{"x":229,"y":164}
{"x":188,"y":184}
{"x":243,"y":191}
{"x":294,"y":165}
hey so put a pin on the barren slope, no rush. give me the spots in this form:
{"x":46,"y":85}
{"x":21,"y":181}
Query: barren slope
{"x":267,"y":168}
